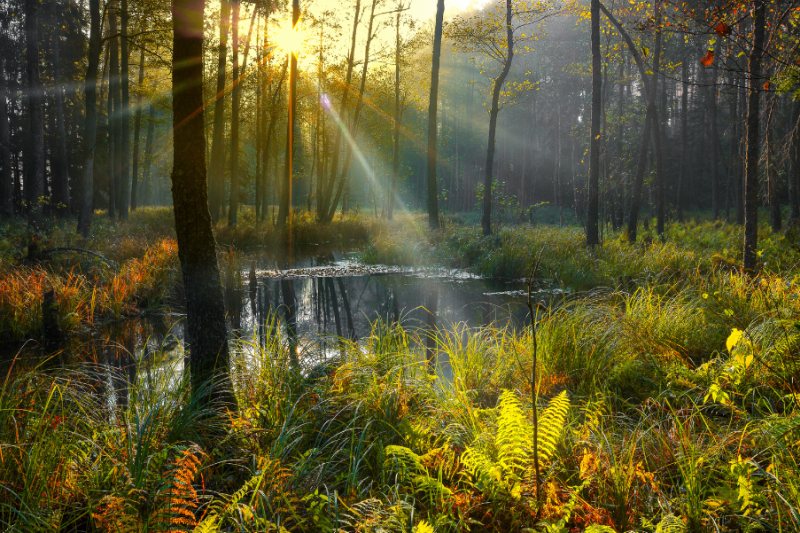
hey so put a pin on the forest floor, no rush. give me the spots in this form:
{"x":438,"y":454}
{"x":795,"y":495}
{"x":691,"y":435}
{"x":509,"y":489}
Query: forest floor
{"x":665,"y":389}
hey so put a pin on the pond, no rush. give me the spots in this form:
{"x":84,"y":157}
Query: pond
{"x":314,"y":304}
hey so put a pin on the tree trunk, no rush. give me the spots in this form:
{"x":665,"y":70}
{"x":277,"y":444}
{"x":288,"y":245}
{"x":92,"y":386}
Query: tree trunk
{"x":651,"y":123}
{"x":34,"y":160}
{"x":114,"y":141}
{"x":684,"y":164}
{"x":206,"y":328}
{"x":433,"y":106}
{"x":592,"y":214}
{"x":59,"y":161}
{"x":147,"y":180}
{"x":714,"y":126}
{"x":285,"y":214}
{"x":6,"y":176}
{"x":658,"y":126}
{"x":217,"y":163}
{"x":137,"y":128}
{"x":497,"y":88}
{"x":752,"y":140}
{"x":90,"y":122}
{"x":794,"y":171}
{"x":396,"y":117}
{"x":124,"y":152}
{"x":236,"y":98}
{"x":773,"y":195}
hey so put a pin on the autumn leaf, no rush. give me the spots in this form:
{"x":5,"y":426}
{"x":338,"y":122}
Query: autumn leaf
{"x":733,"y":339}
{"x":766,"y":86}
{"x":708,"y":59}
{"x":722,"y":29}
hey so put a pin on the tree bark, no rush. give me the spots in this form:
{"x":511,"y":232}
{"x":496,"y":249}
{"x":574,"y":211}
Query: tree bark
{"x":6,"y":176}
{"x":206,"y":328}
{"x":752,"y":140}
{"x":658,"y":126}
{"x":285,"y":214}
{"x":794,"y":170}
{"x":147,"y":181}
{"x":34,"y":185}
{"x":592,"y":214}
{"x":236,"y":99}
{"x":684,"y":164}
{"x":773,"y":197}
{"x":114,"y":141}
{"x":397,"y":118}
{"x":217,"y":163}
{"x":433,"y":106}
{"x":714,"y":126}
{"x":497,"y":88}
{"x":137,"y":129}
{"x":59,"y":160}
{"x":90,"y":122}
{"x":124,"y":153}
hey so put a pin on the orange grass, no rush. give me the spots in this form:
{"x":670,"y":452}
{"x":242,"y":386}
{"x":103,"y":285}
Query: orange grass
{"x":81,"y":298}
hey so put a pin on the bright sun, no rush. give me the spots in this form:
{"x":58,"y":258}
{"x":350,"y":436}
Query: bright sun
{"x":290,"y":40}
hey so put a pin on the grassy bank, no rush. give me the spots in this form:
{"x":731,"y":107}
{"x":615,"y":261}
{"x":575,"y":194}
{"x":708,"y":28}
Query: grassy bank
{"x":667,"y":396}
{"x":690,"y":249}
{"x":657,"y":413}
{"x":128,"y":267}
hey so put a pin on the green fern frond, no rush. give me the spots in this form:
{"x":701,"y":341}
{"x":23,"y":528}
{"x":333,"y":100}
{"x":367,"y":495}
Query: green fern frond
{"x":433,"y":489}
{"x":403,"y":462}
{"x":514,"y":435}
{"x":223,"y":507}
{"x":481,"y":466}
{"x":551,"y":425}
{"x":596,"y":528}
{"x":671,"y":524}
{"x":501,"y":462}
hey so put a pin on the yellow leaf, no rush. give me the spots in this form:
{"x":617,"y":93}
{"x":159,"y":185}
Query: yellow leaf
{"x":733,"y":338}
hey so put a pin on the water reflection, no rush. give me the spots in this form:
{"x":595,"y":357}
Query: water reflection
{"x":324,"y":300}
{"x":309,"y":309}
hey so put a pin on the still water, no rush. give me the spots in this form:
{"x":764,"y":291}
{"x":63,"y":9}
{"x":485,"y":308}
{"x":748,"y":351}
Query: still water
{"x":308,"y":307}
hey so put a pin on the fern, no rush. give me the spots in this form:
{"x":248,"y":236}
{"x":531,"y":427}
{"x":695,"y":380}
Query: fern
{"x":551,"y":425}
{"x":403,"y":462}
{"x":226,"y":506}
{"x":409,"y":469}
{"x":514,"y":435}
{"x":177,"y":504}
{"x":597,"y":528}
{"x":671,"y":524}
{"x":501,"y":462}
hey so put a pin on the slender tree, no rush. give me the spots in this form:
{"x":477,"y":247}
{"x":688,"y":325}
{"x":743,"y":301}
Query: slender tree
{"x":217,"y":163}
{"x":236,"y":100}
{"x":206,"y":328}
{"x":494,"y":111}
{"x":137,"y":129}
{"x":90,"y":121}
{"x":124,"y":128}
{"x":59,"y":163}
{"x":397,"y":117}
{"x":433,"y":106}
{"x":592,"y":214}
{"x":285,"y":215}
{"x":6,"y":176}
{"x":34,"y":148}
{"x":752,"y":138}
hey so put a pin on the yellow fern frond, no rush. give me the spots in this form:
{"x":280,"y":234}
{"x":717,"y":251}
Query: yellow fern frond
{"x":514,"y":435}
{"x":551,"y":425}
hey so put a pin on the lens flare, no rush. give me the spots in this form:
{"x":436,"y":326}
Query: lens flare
{"x":290,"y":40}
